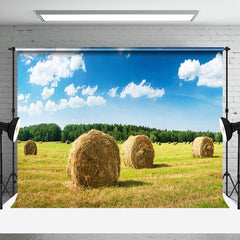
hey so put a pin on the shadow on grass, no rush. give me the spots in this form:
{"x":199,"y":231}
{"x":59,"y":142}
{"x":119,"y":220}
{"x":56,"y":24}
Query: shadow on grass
{"x":131,"y":183}
{"x":160,"y":165}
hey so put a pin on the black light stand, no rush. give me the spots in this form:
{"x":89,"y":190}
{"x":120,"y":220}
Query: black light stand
{"x":13,"y":174}
{"x":238,"y":173}
{"x":237,"y":185}
{"x":227,"y":130}
{"x":227,"y":174}
{"x":1,"y":177}
{"x":12,"y":129}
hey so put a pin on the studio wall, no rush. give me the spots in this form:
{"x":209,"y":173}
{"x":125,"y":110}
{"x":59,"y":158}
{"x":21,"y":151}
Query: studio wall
{"x":119,"y":36}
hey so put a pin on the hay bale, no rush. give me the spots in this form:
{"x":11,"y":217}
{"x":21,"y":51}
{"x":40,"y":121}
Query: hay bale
{"x":175,"y":143}
{"x":30,"y":148}
{"x":67,"y":142}
{"x":94,"y":160}
{"x":168,"y":143}
{"x":202,"y":147}
{"x":40,"y":141}
{"x":18,"y":141}
{"x":138,"y":152}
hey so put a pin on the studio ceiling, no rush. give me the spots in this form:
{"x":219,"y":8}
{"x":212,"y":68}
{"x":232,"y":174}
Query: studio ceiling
{"x":213,"y":12}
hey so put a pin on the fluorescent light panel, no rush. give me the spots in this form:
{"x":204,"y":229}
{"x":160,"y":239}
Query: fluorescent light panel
{"x":117,"y":16}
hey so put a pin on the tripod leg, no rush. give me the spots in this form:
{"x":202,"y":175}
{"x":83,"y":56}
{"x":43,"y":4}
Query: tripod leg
{"x":238,"y":173}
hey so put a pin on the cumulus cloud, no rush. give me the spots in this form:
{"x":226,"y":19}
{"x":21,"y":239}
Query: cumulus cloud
{"x":28,"y":62}
{"x":55,"y":67}
{"x":95,"y":100}
{"x":51,"y":106}
{"x":22,"y":97}
{"x":22,"y":109}
{"x":189,"y":70}
{"x":63,"y":104}
{"x":54,"y":84}
{"x":89,"y":91}
{"x":209,"y":74}
{"x":47,"y":92}
{"x":26,"y":58}
{"x":76,"y":102}
{"x":35,"y":108}
{"x":140,"y":90}
{"x":112,"y":92}
{"x":71,"y":90}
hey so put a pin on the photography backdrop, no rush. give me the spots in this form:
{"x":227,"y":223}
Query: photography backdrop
{"x":168,"y":94}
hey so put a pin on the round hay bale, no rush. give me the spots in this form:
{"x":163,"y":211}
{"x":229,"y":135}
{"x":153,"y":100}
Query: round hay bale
{"x":202,"y":147}
{"x":94,"y":160}
{"x":30,"y":148}
{"x":138,"y":152}
{"x":169,"y":143}
{"x":18,"y":141}
{"x":67,"y":142}
{"x":40,"y":141}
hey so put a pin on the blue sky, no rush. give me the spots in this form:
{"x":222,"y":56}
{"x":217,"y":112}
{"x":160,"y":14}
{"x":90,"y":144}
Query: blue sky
{"x":166,"y":90}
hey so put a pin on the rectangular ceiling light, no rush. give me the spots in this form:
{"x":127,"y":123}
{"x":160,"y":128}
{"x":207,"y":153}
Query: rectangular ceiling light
{"x":117,"y":16}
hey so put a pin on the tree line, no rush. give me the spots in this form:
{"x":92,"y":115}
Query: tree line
{"x":52,"y":132}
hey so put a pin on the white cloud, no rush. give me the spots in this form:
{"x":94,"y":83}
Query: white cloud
{"x":47,"y":92}
{"x":140,"y":90}
{"x":35,"y":108}
{"x":189,"y":70}
{"x":22,"y":109}
{"x":26,"y":58}
{"x":56,"y":66}
{"x":63,"y":104}
{"x":28,"y":62}
{"x":76,"y":102}
{"x":22,"y":97}
{"x":209,"y":74}
{"x":95,"y":100}
{"x":77,"y":62}
{"x":54,"y":84}
{"x":71,"y":90}
{"x":51,"y":106}
{"x":112,"y":92}
{"x":89,"y":91}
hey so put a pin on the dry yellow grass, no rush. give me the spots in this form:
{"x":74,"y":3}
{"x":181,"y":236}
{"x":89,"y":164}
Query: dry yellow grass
{"x":177,"y":181}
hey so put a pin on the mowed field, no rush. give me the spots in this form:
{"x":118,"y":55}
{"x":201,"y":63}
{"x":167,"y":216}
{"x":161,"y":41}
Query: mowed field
{"x":177,"y":181}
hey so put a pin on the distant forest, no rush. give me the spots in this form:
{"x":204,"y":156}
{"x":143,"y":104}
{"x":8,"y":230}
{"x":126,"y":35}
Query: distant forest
{"x":52,"y":132}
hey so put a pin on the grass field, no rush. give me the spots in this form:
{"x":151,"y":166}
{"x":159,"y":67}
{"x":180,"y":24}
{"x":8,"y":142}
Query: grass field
{"x":176,"y":181}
